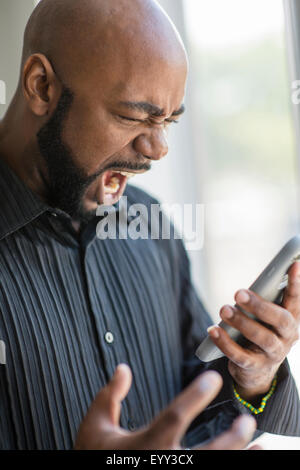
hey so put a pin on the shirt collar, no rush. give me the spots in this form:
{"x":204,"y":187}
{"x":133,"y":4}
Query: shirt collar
{"x":18,"y":204}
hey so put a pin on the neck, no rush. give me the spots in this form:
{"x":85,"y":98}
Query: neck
{"x":18,"y":150}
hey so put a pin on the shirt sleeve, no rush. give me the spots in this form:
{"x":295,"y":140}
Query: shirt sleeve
{"x":282,"y":411}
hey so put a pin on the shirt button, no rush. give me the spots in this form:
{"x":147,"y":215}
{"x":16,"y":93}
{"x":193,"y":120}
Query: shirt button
{"x":109,"y":337}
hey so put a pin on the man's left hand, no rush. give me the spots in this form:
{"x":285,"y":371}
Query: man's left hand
{"x":254,"y":367}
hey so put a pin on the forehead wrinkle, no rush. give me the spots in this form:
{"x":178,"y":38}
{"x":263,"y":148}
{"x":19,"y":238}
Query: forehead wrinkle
{"x":144,"y":107}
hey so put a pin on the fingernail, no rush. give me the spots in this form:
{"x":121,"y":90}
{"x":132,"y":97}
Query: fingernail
{"x":227,"y":312}
{"x":121,"y":367}
{"x":242,"y":297}
{"x":213,"y":331}
{"x":246,"y":425}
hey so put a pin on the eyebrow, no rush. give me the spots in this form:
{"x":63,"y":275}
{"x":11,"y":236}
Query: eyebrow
{"x":149,"y":108}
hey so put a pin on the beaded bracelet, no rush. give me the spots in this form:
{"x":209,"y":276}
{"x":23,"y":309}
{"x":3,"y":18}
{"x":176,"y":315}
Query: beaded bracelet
{"x":256,"y":411}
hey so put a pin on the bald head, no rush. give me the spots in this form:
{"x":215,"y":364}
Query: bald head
{"x":77,"y":35}
{"x":101,"y":81}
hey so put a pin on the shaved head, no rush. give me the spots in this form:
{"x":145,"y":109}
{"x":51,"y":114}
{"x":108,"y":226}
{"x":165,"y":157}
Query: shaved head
{"x":101,"y":81}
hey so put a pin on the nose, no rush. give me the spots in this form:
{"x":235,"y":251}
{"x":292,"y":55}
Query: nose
{"x":153,"y":145}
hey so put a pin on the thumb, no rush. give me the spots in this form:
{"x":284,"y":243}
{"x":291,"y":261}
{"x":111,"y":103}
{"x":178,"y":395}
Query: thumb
{"x":103,"y":415}
{"x":106,"y":407}
{"x":118,"y":388}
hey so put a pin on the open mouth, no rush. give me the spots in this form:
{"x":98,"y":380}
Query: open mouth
{"x":113,"y":185}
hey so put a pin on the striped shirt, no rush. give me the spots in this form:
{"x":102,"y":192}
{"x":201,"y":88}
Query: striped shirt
{"x":73,"y":306}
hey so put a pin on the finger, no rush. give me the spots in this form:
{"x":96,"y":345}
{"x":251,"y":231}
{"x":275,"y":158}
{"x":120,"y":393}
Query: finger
{"x":107,"y":404}
{"x":237,"y":438}
{"x":243,"y":358}
{"x":279,"y":318}
{"x":174,"y":420}
{"x":119,"y":387}
{"x":120,"y":383}
{"x":255,"y":332}
{"x":291,"y":296}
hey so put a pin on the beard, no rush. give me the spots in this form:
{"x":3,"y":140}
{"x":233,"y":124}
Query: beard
{"x":67,"y":183}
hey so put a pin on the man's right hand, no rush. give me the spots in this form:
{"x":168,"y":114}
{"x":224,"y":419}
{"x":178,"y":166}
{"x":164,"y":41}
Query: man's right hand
{"x":100,"y":429}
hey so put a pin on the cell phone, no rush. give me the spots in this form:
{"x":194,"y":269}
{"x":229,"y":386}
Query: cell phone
{"x":270,"y":285}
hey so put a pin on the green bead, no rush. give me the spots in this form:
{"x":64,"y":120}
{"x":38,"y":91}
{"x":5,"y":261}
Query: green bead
{"x":263,"y":402}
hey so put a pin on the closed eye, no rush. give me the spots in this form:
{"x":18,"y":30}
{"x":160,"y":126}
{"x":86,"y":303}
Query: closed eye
{"x":172,"y":121}
{"x":130,"y":119}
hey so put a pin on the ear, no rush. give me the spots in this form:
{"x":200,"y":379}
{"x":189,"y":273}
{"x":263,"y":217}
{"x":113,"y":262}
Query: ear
{"x":41,"y":87}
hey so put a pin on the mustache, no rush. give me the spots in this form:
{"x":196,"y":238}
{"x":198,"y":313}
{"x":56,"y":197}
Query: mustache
{"x":125,"y":166}
{"x":129,"y":166}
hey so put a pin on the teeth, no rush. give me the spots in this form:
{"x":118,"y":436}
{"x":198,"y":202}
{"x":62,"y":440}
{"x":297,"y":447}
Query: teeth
{"x":127,"y":174}
{"x":113,"y":186}
{"x":111,"y":189}
{"x":114,"y":180}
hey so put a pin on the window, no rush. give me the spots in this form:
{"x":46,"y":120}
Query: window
{"x":243,"y":142}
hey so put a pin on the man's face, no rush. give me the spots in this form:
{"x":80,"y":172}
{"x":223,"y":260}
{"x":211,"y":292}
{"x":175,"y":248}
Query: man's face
{"x":107,"y":128}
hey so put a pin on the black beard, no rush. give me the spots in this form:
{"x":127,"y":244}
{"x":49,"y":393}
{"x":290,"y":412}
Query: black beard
{"x":66,"y":182}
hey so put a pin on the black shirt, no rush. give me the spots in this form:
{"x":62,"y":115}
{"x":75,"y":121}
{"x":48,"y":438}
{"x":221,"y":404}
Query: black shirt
{"x":72,"y":307}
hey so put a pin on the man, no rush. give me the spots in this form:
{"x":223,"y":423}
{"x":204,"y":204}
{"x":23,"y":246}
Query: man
{"x":100,"y":82}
